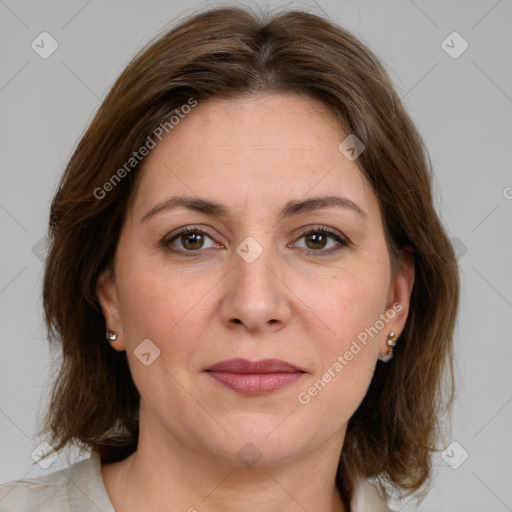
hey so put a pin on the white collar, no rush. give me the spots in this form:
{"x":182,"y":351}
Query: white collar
{"x":366,"y":498}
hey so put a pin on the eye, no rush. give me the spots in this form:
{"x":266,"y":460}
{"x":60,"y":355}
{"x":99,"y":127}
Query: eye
{"x":317,"y":239}
{"x":191,"y":240}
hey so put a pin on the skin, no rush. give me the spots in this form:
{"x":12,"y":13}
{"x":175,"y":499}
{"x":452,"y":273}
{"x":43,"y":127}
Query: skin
{"x":253,"y":154}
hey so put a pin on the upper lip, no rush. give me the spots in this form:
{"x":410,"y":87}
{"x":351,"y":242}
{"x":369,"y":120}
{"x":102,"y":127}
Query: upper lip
{"x":240,"y":365}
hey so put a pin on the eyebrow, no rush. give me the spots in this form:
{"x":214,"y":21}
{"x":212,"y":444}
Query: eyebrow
{"x":290,"y":209}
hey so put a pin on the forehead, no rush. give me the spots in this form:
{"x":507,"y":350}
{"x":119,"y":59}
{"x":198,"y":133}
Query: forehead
{"x":259,"y":148}
{"x":280,"y":127}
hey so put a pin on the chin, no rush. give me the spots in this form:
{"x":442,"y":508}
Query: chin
{"x":260,"y":443}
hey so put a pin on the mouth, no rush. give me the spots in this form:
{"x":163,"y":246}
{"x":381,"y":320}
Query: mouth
{"x":255,"y":377}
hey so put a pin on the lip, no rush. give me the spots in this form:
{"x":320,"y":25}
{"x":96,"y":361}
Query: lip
{"x":240,"y":365}
{"x":255,"y":377}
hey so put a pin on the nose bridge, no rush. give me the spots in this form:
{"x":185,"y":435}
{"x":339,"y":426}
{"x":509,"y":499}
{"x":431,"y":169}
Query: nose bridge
{"x":256,"y":295}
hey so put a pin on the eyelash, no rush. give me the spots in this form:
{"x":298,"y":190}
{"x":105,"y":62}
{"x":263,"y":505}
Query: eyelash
{"x":166,"y":242}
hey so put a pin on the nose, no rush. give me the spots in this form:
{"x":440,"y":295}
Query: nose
{"x":255,"y":294}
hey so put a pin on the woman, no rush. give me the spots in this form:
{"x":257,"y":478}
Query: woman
{"x":253,"y":293}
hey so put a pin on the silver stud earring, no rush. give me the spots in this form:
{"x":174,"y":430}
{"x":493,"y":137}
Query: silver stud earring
{"x":111,"y":335}
{"x":390,"y":345}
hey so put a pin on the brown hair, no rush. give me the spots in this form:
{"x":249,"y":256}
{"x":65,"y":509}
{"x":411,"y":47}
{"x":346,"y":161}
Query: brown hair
{"x":225,"y":52}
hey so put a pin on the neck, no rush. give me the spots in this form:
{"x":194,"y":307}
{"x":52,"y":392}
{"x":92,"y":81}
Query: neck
{"x":166,"y":475}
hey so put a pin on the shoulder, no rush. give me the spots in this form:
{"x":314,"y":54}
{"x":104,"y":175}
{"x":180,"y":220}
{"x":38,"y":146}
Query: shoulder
{"x":366,"y":498}
{"x":76,"y":488}
{"x":48,"y":492}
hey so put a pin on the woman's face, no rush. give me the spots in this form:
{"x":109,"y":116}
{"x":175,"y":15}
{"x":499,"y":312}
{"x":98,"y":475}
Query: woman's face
{"x":247,"y":282}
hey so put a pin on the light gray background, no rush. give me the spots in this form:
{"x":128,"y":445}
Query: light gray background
{"x":462,"y":107}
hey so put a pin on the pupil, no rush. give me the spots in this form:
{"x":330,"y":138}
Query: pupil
{"x":317,"y":239}
{"x":196,"y":240}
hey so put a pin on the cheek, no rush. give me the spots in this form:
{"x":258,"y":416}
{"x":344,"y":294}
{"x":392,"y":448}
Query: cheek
{"x":155,"y":306}
{"x":345,"y":360}
{"x":153,"y":303}
{"x":166,"y":307}
{"x":350,"y":308}
{"x":344,"y":392}
{"x":353,"y":300}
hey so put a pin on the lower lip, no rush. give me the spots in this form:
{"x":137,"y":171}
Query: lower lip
{"x":255,"y":383}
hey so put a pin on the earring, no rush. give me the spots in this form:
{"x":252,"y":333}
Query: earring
{"x":390,"y":344}
{"x":111,"y":335}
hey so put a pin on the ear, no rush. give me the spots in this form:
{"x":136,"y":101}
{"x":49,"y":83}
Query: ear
{"x":106,"y":292}
{"x":400,"y":293}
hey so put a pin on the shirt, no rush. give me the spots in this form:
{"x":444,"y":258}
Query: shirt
{"x":80,"y":488}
